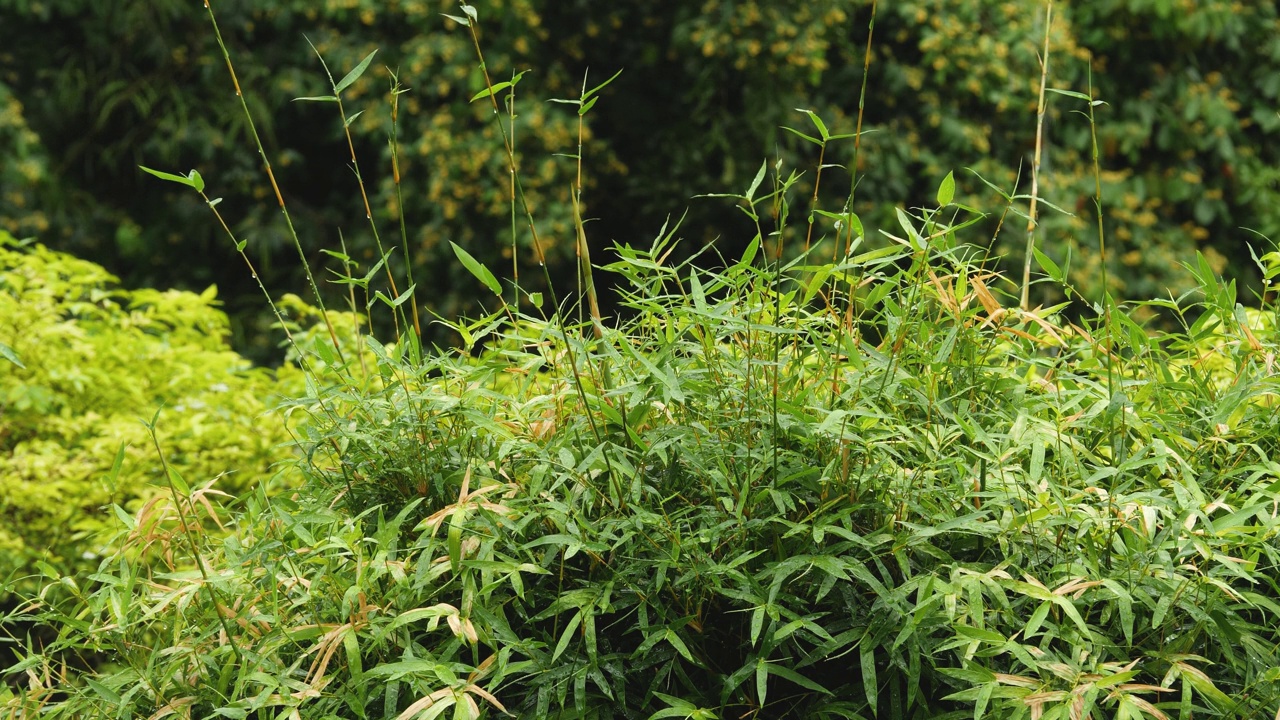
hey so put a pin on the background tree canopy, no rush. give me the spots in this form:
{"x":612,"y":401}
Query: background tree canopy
{"x":88,"y":91}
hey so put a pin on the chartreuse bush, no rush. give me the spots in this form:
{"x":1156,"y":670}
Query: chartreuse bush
{"x":87,"y":363}
{"x":864,"y":486}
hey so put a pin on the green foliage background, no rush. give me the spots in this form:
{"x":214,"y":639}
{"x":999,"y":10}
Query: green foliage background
{"x":1187,"y":137}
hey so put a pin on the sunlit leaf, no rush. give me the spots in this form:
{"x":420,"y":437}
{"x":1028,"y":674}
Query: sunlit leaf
{"x":478,"y":270}
{"x":354,"y":75}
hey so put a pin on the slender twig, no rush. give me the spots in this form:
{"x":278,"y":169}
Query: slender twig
{"x":1107,"y":303}
{"x":396,"y":91}
{"x":187,"y":533}
{"x":847,"y":326}
{"x":1102,"y":236}
{"x":397,"y":312}
{"x":1032,"y":224}
{"x":266,"y":164}
{"x":583,"y":250}
{"x":857,"y":156}
{"x":539,"y":254}
{"x":510,"y":99}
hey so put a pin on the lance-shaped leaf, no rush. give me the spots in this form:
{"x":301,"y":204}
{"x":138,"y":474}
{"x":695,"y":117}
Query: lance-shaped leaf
{"x":355,"y":74}
{"x":474,"y":267}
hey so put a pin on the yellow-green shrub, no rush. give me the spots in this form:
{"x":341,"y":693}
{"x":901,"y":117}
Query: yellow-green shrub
{"x":95,"y":364}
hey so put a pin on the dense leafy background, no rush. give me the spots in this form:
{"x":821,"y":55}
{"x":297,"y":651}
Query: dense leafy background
{"x":1187,"y":137}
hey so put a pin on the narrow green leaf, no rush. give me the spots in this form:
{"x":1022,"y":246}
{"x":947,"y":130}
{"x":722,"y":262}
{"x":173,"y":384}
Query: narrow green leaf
{"x":999,"y":191}
{"x":787,"y":673}
{"x":124,"y":517}
{"x":1116,"y":679}
{"x":479,"y":271}
{"x":1162,"y":609}
{"x":759,"y":178}
{"x":947,"y":346}
{"x":492,"y":90}
{"x":980,"y":634}
{"x":7,"y":353}
{"x":1036,"y":470}
{"x":749,"y":255}
{"x":674,"y":712}
{"x":455,"y":539}
{"x":169,"y":176}
{"x":600,"y":87}
{"x":28,"y":662}
{"x":364,"y":282}
{"x":817,"y":122}
{"x":870,"y":688}
{"x":797,"y":133}
{"x":116,"y":464}
{"x":351,"y":645}
{"x":103,"y":691}
{"x":1048,"y":265}
{"x":695,"y":287}
{"x":1205,"y":687}
{"x":354,"y":75}
{"x":844,"y":218}
{"x":434,"y":613}
{"x":757,"y":623}
{"x":1037,"y":618}
{"x":1069,"y":609}
{"x":178,"y":483}
{"x":317,"y":98}
{"x":589,"y":638}
{"x":460,"y":20}
{"x":947,"y":190}
{"x":980,"y":703}
{"x":1125,"y":602}
{"x":400,"y":299}
{"x":240,"y":245}
{"x":1268,"y":263}
{"x":1070,"y":94}
{"x":905,"y":221}
{"x":678,"y":644}
{"x":352,"y":119}
{"x":973,"y":673}
{"x":647,"y":644}
{"x":566,"y":636}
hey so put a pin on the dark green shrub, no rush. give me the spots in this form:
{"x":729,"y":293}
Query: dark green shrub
{"x":854,"y":486}
{"x":738,"y":507}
